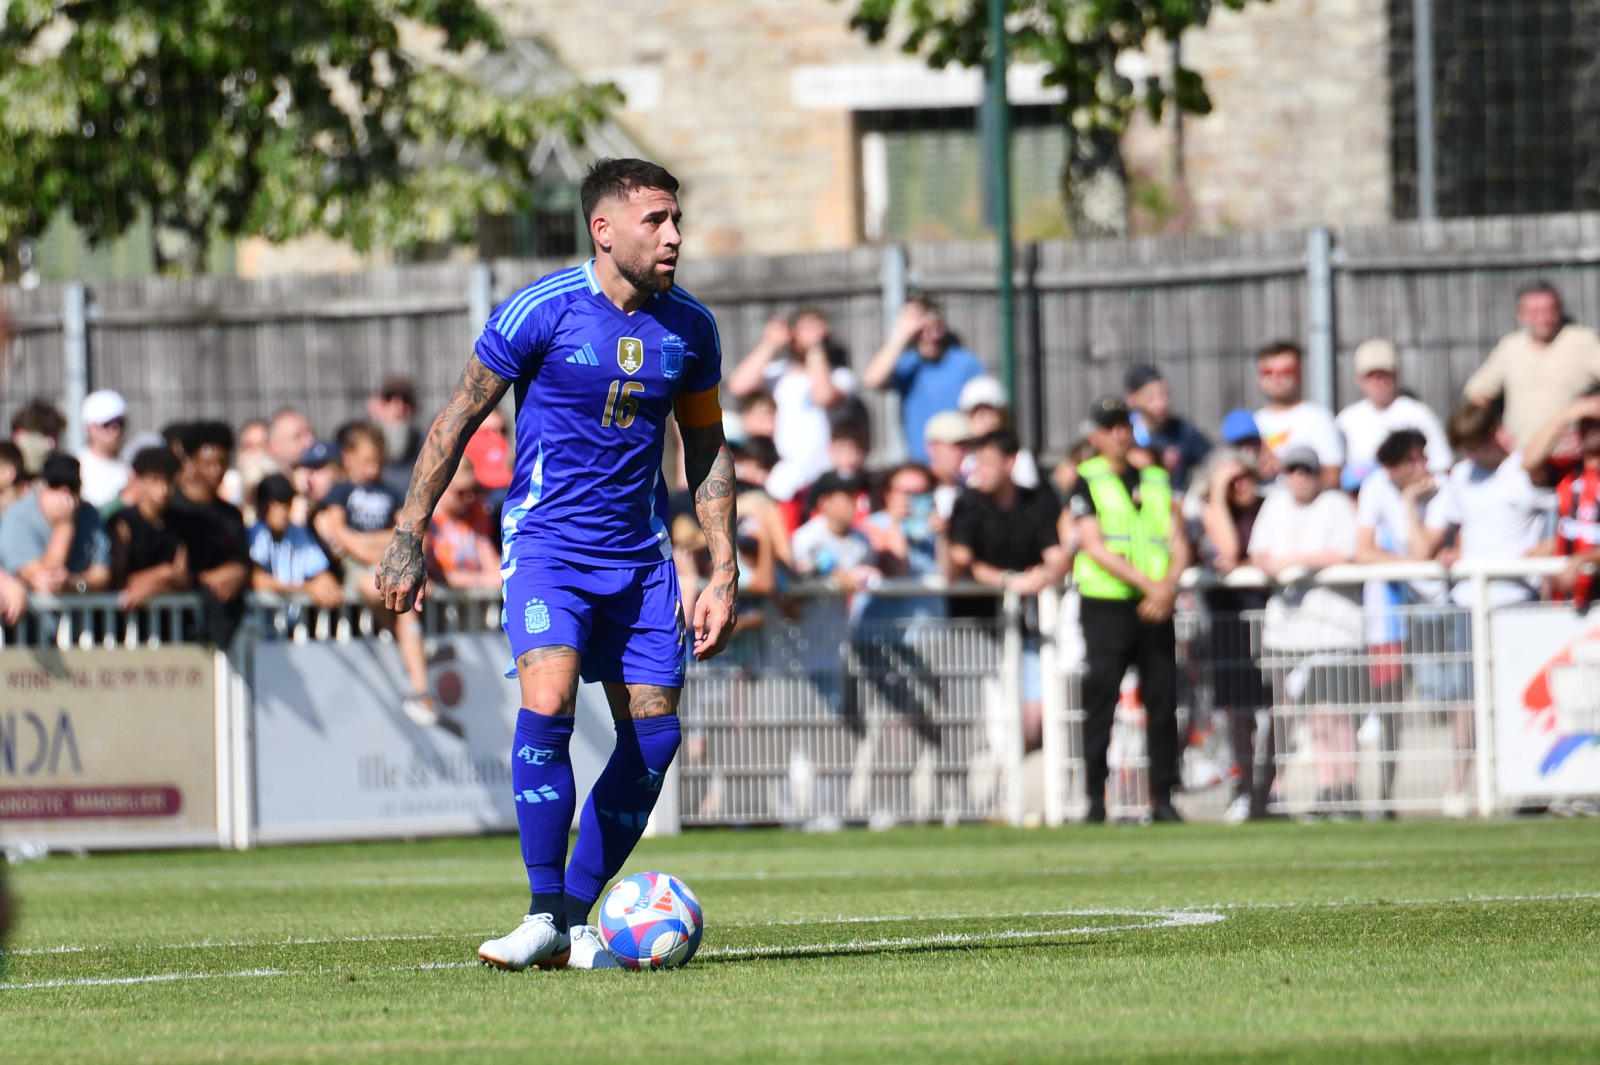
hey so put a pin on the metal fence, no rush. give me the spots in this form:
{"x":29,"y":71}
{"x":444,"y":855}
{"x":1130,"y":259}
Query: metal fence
{"x":815,"y":718}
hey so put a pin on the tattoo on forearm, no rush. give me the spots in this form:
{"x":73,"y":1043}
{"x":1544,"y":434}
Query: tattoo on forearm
{"x":709,"y":465}
{"x":477,"y":392}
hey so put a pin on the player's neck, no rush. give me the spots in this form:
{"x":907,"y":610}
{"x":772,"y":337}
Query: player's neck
{"x":618,"y":289}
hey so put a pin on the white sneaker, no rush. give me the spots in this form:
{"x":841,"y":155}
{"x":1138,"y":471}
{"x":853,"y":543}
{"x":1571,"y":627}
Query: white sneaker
{"x":535,"y":942}
{"x":589,"y":950}
{"x":1456,"y":805}
{"x":1238,"y":811}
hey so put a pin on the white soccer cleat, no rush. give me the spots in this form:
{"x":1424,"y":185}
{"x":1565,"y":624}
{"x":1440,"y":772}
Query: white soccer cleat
{"x":589,"y":950}
{"x":534,"y":943}
{"x":1238,"y":811}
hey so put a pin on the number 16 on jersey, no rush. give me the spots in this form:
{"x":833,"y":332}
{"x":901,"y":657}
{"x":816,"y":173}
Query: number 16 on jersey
{"x":621,"y":407}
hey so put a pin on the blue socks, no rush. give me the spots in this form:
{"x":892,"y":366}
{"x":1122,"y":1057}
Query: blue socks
{"x":541,"y":780}
{"x":618,"y":808}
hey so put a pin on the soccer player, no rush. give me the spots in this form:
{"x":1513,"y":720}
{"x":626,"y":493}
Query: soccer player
{"x":599,"y":355}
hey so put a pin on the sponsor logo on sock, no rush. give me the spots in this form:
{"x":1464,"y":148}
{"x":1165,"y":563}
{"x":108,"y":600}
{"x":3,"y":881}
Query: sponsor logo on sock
{"x":651,"y":781}
{"x":544,"y":793}
{"x":536,"y":618}
{"x":636,"y":819}
{"x":536,"y":755}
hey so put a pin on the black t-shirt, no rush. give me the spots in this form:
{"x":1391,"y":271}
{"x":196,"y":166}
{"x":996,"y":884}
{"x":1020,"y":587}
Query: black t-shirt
{"x":213,"y":532}
{"x":136,"y":544}
{"x":367,"y":507}
{"x":1081,"y":503}
{"x":1012,"y":539}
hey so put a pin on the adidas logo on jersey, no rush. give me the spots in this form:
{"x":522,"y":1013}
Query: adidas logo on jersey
{"x":584,"y":356}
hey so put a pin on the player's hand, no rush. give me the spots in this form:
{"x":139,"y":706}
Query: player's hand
{"x":714,"y":611}
{"x":400,"y":575}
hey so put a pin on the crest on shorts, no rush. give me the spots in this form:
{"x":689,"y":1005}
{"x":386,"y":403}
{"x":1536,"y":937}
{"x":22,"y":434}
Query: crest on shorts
{"x":673,"y":350}
{"x":630,"y":354}
{"x":536,"y":618}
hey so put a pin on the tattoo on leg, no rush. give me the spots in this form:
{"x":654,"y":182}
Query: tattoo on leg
{"x":652,"y":700}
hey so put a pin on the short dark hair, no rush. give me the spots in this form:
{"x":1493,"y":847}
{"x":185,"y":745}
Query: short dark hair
{"x":759,"y":450}
{"x":1004,"y":439}
{"x":11,"y":455}
{"x":401,"y":388}
{"x":39,"y":416}
{"x":928,"y":303}
{"x":851,"y":429}
{"x":1399,"y":446}
{"x":1540,"y":287}
{"x":619,"y":177}
{"x":1472,"y":424}
{"x":1280,"y":347}
{"x":192,"y":436}
{"x":353,"y":433}
{"x":760,"y":395}
{"x":274,"y":488}
{"x":155,"y":462}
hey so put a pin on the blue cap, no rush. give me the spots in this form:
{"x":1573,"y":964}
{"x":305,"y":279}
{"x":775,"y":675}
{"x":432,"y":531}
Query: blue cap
{"x":1239,"y":425}
{"x":318,"y":455}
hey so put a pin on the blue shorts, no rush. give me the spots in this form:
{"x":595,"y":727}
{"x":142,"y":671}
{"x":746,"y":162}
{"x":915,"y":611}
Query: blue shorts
{"x":626,"y":623}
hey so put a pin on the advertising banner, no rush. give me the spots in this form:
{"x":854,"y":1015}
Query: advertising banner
{"x":336,"y":758}
{"x":1546,"y":701}
{"x":108,"y":748}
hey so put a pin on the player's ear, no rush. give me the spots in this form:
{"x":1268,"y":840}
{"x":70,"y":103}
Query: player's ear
{"x":600,"y":231}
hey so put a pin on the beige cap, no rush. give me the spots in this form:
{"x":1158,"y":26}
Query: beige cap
{"x":1373,"y":355}
{"x":947,"y":427}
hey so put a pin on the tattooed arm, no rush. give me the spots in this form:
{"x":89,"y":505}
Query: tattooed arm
{"x":709,"y":465}
{"x":400,"y":572}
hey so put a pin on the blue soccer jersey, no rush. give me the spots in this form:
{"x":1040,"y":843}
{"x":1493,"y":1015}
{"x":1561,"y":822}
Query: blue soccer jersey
{"x":593,"y":388}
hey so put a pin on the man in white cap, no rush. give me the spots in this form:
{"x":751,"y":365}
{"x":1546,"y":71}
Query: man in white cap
{"x":1368,"y":423}
{"x":983,"y":402}
{"x":946,"y":436}
{"x":105,"y":419}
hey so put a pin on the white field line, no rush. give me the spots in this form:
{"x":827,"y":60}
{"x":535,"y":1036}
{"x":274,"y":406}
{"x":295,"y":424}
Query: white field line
{"x":1183,"y":917}
{"x":895,"y":918}
{"x":158,"y":978}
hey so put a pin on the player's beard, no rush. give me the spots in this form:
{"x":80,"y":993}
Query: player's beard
{"x":641,"y":274}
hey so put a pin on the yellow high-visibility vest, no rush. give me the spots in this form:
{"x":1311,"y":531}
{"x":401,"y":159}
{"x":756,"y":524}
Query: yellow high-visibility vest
{"x":1141,"y":534}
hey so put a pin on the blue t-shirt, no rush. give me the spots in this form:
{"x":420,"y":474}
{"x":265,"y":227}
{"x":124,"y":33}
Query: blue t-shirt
{"x":928,"y":387}
{"x":594,"y":387}
{"x":292,"y":560}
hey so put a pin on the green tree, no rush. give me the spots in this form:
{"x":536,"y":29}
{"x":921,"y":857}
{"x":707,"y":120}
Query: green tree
{"x":227,"y":118}
{"x":1078,"y":41}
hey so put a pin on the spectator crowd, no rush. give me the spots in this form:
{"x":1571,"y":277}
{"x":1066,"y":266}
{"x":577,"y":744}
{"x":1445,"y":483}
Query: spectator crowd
{"x":1289,"y":488}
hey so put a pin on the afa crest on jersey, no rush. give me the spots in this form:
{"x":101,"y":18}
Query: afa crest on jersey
{"x":536,"y":618}
{"x":673,"y":350}
{"x":630,"y":354}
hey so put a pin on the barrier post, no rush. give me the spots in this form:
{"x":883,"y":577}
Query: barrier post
{"x":667,"y":818}
{"x":222,"y":686}
{"x":1054,"y":709}
{"x":1482,"y":696}
{"x":1011,"y":708}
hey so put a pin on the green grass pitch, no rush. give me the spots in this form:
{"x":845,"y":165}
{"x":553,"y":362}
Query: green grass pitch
{"x":1408,"y":942}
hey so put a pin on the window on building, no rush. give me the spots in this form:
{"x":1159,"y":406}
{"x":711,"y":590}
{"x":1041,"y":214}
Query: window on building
{"x":1516,"y":106}
{"x":551,"y":229}
{"x":922,"y":174}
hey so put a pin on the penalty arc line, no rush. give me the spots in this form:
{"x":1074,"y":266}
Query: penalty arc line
{"x":1167,"y":919}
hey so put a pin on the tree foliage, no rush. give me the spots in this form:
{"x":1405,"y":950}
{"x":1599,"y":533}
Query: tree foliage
{"x":277,"y":118}
{"x":1078,"y":42}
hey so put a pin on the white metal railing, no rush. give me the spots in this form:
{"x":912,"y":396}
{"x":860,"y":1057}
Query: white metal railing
{"x":827,"y":717}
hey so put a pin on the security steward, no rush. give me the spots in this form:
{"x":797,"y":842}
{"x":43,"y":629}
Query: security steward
{"x":1132,"y":551}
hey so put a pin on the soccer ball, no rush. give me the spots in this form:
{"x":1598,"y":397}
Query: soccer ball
{"x":651,"y":921}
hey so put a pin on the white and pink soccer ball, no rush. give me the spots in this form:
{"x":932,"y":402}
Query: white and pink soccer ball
{"x":651,"y":921}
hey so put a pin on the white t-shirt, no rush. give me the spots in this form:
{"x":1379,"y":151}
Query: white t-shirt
{"x":102,"y":478}
{"x":802,"y":432}
{"x":1303,"y":618}
{"x":820,"y":552}
{"x":1303,"y":425}
{"x":1365,"y":427}
{"x":1500,"y":514}
{"x":1381,"y":508}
